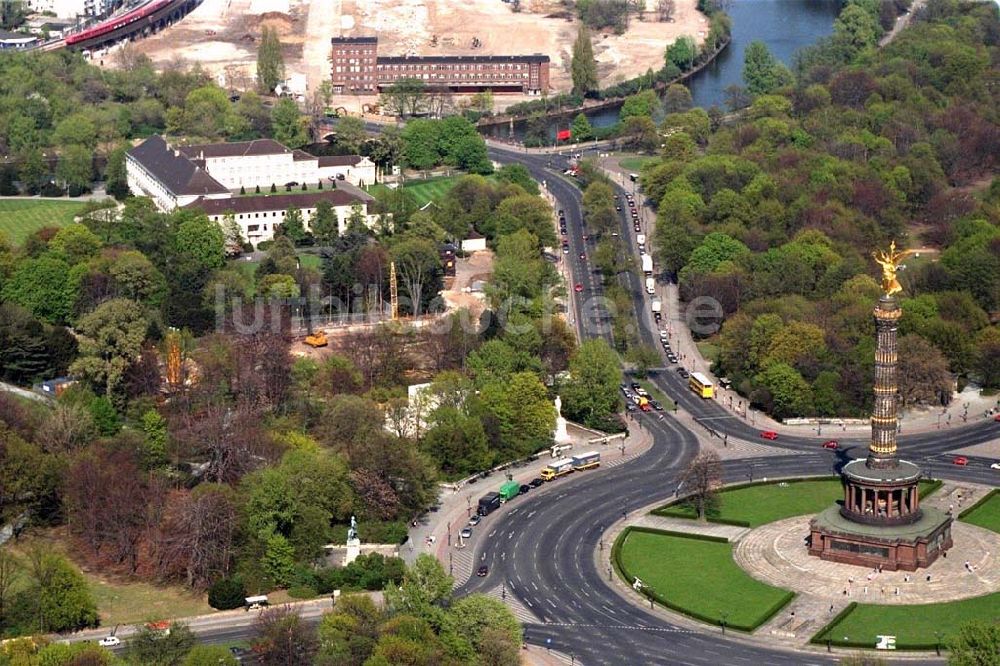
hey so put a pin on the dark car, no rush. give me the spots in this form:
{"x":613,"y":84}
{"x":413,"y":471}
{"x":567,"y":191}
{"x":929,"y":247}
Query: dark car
{"x":683,"y":373}
{"x":535,"y":482}
{"x":561,"y":213}
{"x":483,"y":571}
{"x":657,"y":316}
{"x":635,"y":385}
{"x":656,"y":405}
{"x":630,"y":407}
{"x":524,"y":489}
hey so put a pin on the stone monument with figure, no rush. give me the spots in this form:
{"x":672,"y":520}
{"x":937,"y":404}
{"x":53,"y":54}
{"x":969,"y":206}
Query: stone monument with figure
{"x":560,"y":434}
{"x":353,"y":542}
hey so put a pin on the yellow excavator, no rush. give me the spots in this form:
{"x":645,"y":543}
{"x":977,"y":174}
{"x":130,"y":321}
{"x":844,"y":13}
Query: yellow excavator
{"x":317,"y":339}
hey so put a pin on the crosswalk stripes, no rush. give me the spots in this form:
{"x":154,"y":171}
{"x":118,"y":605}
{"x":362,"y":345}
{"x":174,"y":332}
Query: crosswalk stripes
{"x":461,"y":563}
{"x":520,"y":611}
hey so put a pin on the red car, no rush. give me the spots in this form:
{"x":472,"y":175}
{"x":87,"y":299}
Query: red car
{"x":645,"y":407}
{"x":960,"y":460}
{"x":578,"y":288}
{"x":996,"y":417}
{"x":831,"y":444}
{"x":769,"y":434}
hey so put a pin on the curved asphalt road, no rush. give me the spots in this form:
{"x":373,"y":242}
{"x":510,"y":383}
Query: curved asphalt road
{"x":543,"y":548}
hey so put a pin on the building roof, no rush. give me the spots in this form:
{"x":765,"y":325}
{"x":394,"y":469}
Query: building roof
{"x":235,"y":149}
{"x":450,"y":59}
{"x":7,"y":36}
{"x":274,"y":202}
{"x":177,"y":173}
{"x":302,"y":156}
{"x":339,"y":160}
{"x":354,"y":40}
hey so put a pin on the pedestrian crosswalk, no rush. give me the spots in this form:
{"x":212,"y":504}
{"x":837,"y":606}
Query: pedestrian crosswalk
{"x":461,"y":564}
{"x":520,"y":611}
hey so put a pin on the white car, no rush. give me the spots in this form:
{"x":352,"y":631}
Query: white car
{"x":995,"y":465}
{"x":110,"y":641}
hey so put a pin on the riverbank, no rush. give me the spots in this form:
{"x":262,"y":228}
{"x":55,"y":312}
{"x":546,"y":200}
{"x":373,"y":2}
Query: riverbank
{"x":596,"y":105}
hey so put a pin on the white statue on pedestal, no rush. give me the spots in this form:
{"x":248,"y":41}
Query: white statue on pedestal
{"x":560,"y":435}
{"x":353,"y":542}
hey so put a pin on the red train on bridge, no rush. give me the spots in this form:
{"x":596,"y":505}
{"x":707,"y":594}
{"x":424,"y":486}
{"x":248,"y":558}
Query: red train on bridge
{"x":122,"y":26}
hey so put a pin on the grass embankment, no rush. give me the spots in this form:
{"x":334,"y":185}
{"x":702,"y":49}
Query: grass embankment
{"x":696,"y":576}
{"x":118,"y":601}
{"x":753,"y":505}
{"x":657,"y":395}
{"x":19,"y":218}
{"x":918,"y":626}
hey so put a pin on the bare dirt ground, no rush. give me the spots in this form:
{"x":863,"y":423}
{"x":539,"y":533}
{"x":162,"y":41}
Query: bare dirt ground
{"x":478,"y":266}
{"x":222,"y":35}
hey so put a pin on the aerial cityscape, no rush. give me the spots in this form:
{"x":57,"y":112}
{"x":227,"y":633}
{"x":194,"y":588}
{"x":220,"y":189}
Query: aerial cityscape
{"x":499,"y":332}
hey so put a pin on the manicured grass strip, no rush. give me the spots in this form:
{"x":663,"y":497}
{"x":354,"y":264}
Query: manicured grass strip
{"x":985,"y":513}
{"x":657,"y":395}
{"x":696,"y":576}
{"x":753,"y":505}
{"x":431,"y":190}
{"x":635,"y":163}
{"x":913,"y":626}
{"x":19,"y":218}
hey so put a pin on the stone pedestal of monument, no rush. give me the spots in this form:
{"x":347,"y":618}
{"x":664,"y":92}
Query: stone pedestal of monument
{"x":353,"y":550}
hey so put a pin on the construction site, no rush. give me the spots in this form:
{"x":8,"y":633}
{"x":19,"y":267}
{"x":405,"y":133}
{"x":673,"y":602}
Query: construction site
{"x":222,"y":37}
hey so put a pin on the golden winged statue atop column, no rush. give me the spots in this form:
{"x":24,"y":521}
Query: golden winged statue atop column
{"x":890,"y":261}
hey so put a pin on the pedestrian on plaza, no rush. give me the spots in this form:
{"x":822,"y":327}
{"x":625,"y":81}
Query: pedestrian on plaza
{"x":831,"y":608}
{"x":928,"y":578}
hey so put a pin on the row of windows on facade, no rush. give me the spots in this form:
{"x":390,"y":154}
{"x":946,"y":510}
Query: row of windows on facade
{"x":369,"y":51}
{"x":492,"y":76}
{"x":447,"y":77}
{"x":454,"y":66}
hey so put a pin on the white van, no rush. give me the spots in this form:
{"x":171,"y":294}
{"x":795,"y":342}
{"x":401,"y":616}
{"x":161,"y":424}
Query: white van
{"x":255,"y":603}
{"x":650,"y":286}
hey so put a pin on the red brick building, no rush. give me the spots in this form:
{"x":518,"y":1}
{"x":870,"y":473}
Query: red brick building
{"x":357,"y":70}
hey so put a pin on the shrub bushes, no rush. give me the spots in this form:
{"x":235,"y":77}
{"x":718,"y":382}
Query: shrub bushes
{"x":226,"y":594}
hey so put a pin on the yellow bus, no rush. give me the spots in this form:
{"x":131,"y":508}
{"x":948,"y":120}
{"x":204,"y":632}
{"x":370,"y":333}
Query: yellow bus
{"x":699,"y":384}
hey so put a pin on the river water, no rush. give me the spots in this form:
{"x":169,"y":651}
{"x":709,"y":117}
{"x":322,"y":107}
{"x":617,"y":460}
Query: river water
{"x":784,"y":25}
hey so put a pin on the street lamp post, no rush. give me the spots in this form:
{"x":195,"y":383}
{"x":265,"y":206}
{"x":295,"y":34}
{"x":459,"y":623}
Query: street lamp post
{"x":937,"y":647}
{"x":450,"y":565}
{"x":449,"y":532}
{"x":722,"y":621}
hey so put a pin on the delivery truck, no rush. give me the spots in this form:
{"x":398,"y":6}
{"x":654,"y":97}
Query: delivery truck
{"x":647,"y":264}
{"x":586,"y":460}
{"x":488,"y":503}
{"x":557,"y":468}
{"x":509,"y":490}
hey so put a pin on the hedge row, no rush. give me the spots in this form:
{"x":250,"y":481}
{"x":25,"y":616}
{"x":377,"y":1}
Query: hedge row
{"x":683,"y":535}
{"x":932,"y":488}
{"x":975,"y":506}
{"x":667,"y":603}
{"x":826,"y":628}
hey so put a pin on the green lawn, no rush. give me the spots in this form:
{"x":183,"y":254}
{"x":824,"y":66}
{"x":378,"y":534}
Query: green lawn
{"x":767,"y":502}
{"x":708,"y":350}
{"x":913,"y":626}
{"x":19,"y":218}
{"x":636,"y":163}
{"x":698,"y":578}
{"x":118,"y":601}
{"x":248,"y":268}
{"x":986,"y":513}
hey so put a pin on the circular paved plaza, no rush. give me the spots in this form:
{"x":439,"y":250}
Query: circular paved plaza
{"x":776,"y":554}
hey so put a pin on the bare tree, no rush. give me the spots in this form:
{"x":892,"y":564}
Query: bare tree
{"x":10,"y":572}
{"x":702,"y":480}
{"x":283,"y":638}
{"x":231,"y":437}
{"x":68,"y":427}
{"x":665,"y":9}
{"x":195,"y":539}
